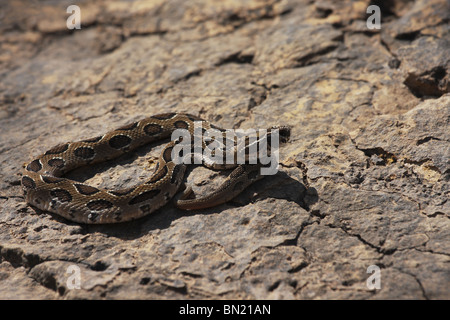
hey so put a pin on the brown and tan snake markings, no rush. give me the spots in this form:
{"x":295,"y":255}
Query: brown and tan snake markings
{"x":51,"y":179}
{"x":159,"y":175}
{"x":61,"y":194}
{"x":58,"y":149}
{"x":167,"y":154}
{"x":152,"y":129}
{"x":28,"y":183}
{"x":84,"y":152}
{"x":181,"y":125}
{"x":34,"y":166}
{"x":122,"y":192}
{"x":56,"y":163}
{"x":120,"y":141}
{"x":85,"y":189}
{"x":45,"y":188}
{"x":144,"y":196}
{"x":98,"y":205}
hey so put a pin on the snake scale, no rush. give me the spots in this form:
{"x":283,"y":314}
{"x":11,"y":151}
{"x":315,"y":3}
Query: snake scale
{"x":45,"y":187}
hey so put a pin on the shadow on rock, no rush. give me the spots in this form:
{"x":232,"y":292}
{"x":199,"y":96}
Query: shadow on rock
{"x":279,"y":186}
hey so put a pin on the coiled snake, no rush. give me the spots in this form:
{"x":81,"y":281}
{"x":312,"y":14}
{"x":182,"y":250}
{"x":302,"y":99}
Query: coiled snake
{"x":45,"y":188}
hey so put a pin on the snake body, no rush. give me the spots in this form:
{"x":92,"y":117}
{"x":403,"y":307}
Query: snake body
{"x":45,"y":187}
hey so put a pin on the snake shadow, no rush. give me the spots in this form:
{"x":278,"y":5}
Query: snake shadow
{"x":278,"y":186}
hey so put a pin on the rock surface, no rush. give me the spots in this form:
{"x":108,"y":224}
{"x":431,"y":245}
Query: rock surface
{"x":364,"y":180}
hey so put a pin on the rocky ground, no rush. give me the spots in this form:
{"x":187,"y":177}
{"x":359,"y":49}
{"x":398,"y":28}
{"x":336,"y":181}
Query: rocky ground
{"x":364,"y":180}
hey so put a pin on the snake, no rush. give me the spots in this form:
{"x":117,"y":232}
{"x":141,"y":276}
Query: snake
{"x":46,"y":188}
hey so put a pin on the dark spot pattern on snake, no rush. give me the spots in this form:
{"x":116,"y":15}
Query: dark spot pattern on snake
{"x":84,"y":153}
{"x":85,"y":189}
{"x":58,"y":149}
{"x":181,"y":125}
{"x":147,"y":195}
{"x":167,"y":154}
{"x":122,"y":192}
{"x":27,"y":182}
{"x":51,"y":179}
{"x":152,"y":129}
{"x":101,"y":204}
{"x":34,"y":166}
{"x":120,"y":141}
{"x":56,"y":163}
{"x":61,"y":194}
